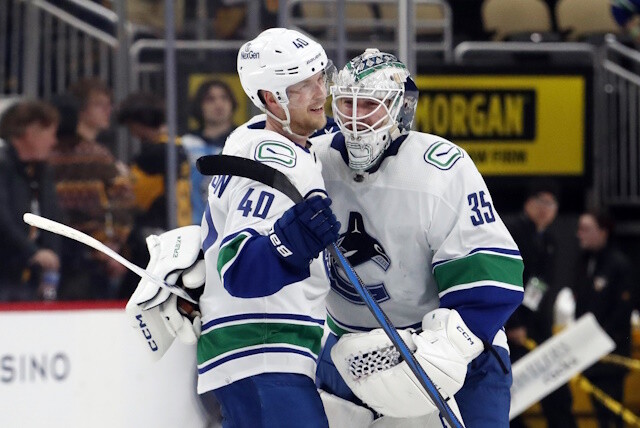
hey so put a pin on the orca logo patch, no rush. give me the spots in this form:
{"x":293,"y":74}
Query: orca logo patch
{"x":358,"y":247}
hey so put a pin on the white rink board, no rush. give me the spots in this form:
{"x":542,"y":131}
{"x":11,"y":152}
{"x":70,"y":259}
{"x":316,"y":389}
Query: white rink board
{"x":86,"y":368}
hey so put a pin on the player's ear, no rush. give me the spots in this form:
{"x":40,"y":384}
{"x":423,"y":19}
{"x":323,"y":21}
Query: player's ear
{"x":268,"y":99}
{"x":271,"y":103}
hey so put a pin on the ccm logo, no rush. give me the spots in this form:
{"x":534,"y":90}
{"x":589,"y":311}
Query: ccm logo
{"x":147,"y":334}
{"x":465,"y":335}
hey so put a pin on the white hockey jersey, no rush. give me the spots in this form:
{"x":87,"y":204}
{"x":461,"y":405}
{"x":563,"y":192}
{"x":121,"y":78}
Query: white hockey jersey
{"x":258,"y":315}
{"x":421,"y":232}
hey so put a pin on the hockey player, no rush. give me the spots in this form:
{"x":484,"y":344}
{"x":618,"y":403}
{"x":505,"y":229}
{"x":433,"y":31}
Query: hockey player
{"x":263,"y":305}
{"x":421,"y":231}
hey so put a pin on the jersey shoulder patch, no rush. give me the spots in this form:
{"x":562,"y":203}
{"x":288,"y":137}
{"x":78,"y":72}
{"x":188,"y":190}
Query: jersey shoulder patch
{"x":443,"y":154}
{"x":271,"y":151}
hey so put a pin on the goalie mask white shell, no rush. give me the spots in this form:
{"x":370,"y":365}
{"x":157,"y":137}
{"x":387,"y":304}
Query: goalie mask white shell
{"x":382,"y":83}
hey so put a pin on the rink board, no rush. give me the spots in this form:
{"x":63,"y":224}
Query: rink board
{"x":72,"y":368}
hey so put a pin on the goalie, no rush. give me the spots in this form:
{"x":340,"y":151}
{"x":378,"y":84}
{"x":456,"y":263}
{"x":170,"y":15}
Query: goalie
{"x":421,"y":231}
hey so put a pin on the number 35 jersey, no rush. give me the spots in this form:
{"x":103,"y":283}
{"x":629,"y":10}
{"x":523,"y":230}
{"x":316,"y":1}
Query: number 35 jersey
{"x":258,"y":314}
{"x":421,"y":231}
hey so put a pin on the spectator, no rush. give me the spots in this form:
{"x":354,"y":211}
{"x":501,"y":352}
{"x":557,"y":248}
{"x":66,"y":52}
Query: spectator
{"x":627,"y":15}
{"x":213,"y":107}
{"x":28,"y":132}
{"x":95,"y":193}
{"x":534,"y":318}
{"x":604,"y":287}
{"x":144,"y":116}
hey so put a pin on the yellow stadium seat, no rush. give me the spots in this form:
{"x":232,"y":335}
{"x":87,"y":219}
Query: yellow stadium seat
{"x":508,"y":18}
{"x":583,"y":18}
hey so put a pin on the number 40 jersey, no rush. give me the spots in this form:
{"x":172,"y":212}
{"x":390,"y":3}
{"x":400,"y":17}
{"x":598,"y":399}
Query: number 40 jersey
{"x":258,"y":315}
{"x":421,"y":231}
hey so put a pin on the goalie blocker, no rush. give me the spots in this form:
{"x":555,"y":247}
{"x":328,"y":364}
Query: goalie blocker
{"x":371,"y":367}
{"x":175,"y":256}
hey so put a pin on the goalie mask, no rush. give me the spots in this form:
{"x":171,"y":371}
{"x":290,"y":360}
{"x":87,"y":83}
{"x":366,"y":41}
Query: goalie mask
{"x":374,"y":102}
{"x":277,"y":59}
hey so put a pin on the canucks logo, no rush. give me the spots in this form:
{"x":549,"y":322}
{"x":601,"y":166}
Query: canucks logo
{"x":359,"y":248}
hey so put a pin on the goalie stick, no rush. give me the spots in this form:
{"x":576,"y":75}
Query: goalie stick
{"x":76,"y":235}
{"x":253,"y":170}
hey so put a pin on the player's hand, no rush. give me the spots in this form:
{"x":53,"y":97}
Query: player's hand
{"x":304,"y":230}
{"x":47,"y":259}
{"x":517,"y":335}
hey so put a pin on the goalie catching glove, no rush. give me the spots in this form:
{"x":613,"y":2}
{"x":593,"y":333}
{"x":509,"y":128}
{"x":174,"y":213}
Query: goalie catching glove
{"x":175,"y":256}
{"x":371,"y":367}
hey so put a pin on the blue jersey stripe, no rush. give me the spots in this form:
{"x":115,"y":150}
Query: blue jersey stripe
{"x":212,"y":234}
{"x":365,"y":329}
{"x":250,"y":352}
{"x":261,"y":316}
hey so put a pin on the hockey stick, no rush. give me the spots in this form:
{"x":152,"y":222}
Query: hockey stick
{"x":76,"y":235}
{"x":253,"y":170}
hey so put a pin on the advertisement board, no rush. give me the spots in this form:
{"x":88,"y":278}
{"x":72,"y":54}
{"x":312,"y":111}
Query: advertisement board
{"x":86,"y":368}
{"x":509,"y":124}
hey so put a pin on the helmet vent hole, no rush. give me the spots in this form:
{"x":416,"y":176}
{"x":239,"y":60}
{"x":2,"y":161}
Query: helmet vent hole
{"x":277,"y":51}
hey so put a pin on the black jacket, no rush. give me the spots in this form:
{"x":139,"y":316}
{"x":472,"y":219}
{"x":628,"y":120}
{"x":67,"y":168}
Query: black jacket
{"x":538,"y":250}
{"x":22,"y":187}
{"x":604,"y":286}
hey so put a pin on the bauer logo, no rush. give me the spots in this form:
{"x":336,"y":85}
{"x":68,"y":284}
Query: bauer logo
{"x":276,"y":152}
{"x":478,"y":114}
{"x":176,"y":247}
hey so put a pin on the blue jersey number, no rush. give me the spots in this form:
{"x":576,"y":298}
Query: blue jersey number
{"x":482,"y":209}
{"x":265,"y":199}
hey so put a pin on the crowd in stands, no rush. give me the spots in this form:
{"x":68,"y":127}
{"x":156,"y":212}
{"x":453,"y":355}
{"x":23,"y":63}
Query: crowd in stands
{"x":53,"y":164}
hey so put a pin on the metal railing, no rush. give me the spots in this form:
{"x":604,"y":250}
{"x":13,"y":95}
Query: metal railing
{"x":46,"y":48}
{"x":392,"y":26}
{"x":147,"y":75}
{"x":619,"y":183}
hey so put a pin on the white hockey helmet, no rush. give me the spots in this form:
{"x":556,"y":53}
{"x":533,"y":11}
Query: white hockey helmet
{"x":381,"y":79}
{"x":276,"y":59}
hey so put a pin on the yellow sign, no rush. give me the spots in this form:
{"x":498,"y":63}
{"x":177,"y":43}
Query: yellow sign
{"x":509,"y":125}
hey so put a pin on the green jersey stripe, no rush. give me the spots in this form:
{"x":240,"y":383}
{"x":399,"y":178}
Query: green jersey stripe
{"x":479,"y":267}
{"x":335,"y":328}
{"x":236,"y":337}
{"x":229,"y":251}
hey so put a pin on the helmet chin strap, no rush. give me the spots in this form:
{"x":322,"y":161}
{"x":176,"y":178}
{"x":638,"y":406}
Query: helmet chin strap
{"x":286,"y":124}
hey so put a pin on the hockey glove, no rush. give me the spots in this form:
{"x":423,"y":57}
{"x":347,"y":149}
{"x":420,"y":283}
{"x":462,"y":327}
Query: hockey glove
{"x":174,"y":257}
{"x":304,"y":230}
